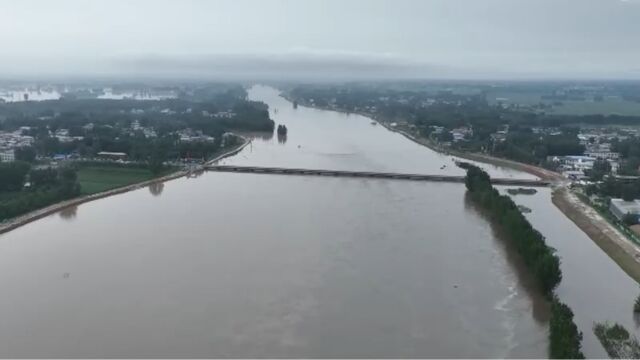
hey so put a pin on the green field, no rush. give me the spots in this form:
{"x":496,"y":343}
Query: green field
{"x":521,"y":98}
{"x":95,"y":179}
{"x":607,"y":107}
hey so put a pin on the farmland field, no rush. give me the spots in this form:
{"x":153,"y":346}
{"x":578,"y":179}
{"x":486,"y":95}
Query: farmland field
{"x":95,"y":179}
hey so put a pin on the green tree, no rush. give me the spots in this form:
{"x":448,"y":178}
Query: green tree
{"x":12,"y":175}
{"x":599,"y":170}
{"x":26,"y":153}
{"x":630,"y":219}
{"x":628,"y":192}
{"x":69,"y":186}
{"x":564,"y":337}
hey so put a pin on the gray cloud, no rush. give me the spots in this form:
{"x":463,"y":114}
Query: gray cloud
{"x":294,"y":64}
{"x":321,"y":39}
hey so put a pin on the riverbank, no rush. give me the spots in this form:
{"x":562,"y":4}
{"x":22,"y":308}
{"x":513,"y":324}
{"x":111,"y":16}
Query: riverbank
{"x":601,"y":232}
{"x":607,"y":237}
{"x":51,"y":209}
{"x":40,"y":213}
{"x":542,"y":173}
{"x":245,"y":141}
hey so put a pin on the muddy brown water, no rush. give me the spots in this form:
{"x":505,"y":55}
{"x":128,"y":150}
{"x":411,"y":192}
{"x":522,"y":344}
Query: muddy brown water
{"x":243,"y":265}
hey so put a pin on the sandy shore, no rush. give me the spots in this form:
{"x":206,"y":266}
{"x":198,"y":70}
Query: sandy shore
{"x":51,"y":209}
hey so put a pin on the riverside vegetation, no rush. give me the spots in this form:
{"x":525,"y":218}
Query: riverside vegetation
{"x":154,"y":135}
{"x":540,"y":259}
{"x":46,"y":186}
{"x":616,"y":341}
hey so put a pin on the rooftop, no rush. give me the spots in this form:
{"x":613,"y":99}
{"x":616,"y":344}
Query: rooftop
{"x":627,"y":206}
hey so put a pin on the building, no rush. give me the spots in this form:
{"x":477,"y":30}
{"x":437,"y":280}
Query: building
{"x":573,"y":162}
{"x":626,"y":178}
{"x":461,"y":133}
{"x":574,"y":175}
{"x":619,"y":208}
{"x":602,"y":154}
{"x":112,"y":155}
{"x":7,"y":156}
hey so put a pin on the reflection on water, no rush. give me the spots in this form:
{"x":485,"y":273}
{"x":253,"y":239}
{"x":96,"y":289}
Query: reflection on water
{"x":242,"y":265}
{"x":282,"y":138}
{"x":319,"y":139}
{"x":156,"y":188}
{"x":540,"y":308}
{"x":592,"y":284}
{"x":69,"y":212}
{"x":258,"y":135}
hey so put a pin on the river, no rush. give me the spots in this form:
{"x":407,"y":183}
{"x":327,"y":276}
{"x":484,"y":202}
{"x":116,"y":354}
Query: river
{"x":249,"y":265}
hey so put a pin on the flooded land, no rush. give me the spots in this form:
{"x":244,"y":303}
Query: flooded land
{"x":244,"y":265}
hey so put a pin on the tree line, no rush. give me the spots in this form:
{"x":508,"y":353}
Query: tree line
{"x":530,"y":244}
{"x":46,"y":186}
{"x":616,"y":188}
{"x":564,"y":337}
{"x":106,"y":125}
{"x":540,"y":259}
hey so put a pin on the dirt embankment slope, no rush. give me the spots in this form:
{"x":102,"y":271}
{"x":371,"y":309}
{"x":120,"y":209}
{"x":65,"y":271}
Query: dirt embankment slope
{"x":606,"y":236}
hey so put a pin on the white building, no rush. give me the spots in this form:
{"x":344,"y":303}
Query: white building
{"x":603,"y":155}
{"x":574,"y":162}
{"x":574,"y":174}
{"x":619,"y":208}
{"x":7,"y":156}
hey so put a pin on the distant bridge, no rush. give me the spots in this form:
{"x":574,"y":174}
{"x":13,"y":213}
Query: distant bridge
{"x":366,"y":174}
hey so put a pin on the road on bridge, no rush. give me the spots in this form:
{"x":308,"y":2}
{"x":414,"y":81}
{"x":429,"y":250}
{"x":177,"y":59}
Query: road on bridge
{"x":366,"y":174}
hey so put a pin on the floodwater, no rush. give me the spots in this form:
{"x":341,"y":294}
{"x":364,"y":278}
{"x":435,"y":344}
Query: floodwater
{"x":593,"y":285}
{"x":248,"y":265}
{"x":50,"y":93}
{"x":135,"y":95}
{"x":29,"y":94}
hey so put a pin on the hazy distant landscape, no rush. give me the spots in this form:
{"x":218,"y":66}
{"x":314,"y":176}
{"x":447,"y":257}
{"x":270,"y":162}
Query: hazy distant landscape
{"x":320,"y":179}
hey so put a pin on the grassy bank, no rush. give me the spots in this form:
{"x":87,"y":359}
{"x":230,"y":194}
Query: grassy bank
{"x":95,"y":179}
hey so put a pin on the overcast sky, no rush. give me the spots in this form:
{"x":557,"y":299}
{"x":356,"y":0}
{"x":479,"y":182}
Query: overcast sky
{"x":321,"y":38}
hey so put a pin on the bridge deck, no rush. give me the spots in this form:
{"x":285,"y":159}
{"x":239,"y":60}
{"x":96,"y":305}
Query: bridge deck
{"x":366,"y":174}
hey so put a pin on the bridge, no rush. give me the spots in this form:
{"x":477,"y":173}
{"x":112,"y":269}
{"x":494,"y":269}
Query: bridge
{"x":365,"y":174}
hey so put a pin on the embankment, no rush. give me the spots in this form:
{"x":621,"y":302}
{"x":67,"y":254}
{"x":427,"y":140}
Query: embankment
{"x":51,"y":209}
{"x":607,"y":237}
